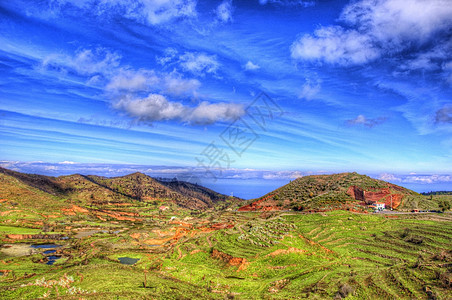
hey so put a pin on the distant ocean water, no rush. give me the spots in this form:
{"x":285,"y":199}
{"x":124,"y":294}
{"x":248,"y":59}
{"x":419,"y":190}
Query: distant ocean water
{"x":244,"y":188}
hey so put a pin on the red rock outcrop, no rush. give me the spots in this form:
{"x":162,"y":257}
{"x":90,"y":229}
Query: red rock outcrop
{"x":380,"y":195}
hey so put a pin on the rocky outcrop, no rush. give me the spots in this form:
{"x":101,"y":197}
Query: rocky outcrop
{"x":380,"y":195}
{"x":356,"y":193}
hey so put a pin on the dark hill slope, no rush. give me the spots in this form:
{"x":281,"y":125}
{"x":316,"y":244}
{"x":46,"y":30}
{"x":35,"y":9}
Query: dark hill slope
{"x":100,"y":190}
{"x":206,"y":195}
{"x":144,"y":188}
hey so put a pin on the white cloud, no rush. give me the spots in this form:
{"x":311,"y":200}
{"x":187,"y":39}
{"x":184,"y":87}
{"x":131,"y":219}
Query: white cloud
{"x":85,"y":61}
{"x":310,"y":89}
{"x":175,"y":85}
{"x":168,"y":55}
{"x":162,"y":11}
{"x":199,"y":63}
{"x":415,"y":178}
{"x":375,"y":28}
{"x":224,"y":11}
{"x":335,"y":45}
{"x":362,"y":120}
{"x":389,"y":177}
{"x":131,"y":80}
{"x":250,"y":66}
{"x":398,"y":21}
{"x":157,"y":108}
{"x":209,"y":113}
{"x":152,"y":12}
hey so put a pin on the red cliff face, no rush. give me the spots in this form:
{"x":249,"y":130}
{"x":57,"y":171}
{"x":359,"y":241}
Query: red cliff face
{"x":370,"y":197}
{"x":356,"y":193}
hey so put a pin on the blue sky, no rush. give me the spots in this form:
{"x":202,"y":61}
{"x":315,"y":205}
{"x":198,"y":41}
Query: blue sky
{"x":360,"y":86}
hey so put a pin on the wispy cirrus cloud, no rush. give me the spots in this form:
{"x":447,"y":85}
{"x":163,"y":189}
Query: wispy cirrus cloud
{"x":367,"y":122}
{"x":444,"y":114}
{"x":310,"y":89}
{"x":224,"y":11}
{"x":199,"y":63}
{"x":289,"y":3}
{"x":143,"y":11}
{"x":84,"y":62}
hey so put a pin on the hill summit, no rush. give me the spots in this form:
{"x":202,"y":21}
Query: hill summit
{"x":350,"y":191}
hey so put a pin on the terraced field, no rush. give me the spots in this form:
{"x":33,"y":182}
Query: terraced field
{"x":220,"y":254}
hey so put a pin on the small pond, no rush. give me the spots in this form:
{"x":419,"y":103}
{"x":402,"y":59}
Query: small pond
{"x":128,"y":260}
{"x":52,"y":259}
{"x":45,"y":246}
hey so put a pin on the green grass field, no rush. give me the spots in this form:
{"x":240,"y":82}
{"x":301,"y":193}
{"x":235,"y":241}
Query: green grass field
{"x":231,"y":255}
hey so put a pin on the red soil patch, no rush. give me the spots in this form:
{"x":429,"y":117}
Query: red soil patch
{"x":73,"y":210}
{"x":35,"y":236}
{"x":135,"y":236}
{"x":315,"y":243}
{"x":118,"y":215}
{"x":286,"y":251}
{"x":230,"y":260}
{"x":217,"y":226}
{"x":257,"y":205}
{"x":4,"y":213}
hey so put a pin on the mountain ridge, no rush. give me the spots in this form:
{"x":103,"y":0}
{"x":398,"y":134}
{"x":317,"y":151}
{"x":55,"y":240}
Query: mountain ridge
{"x":89,"y":189}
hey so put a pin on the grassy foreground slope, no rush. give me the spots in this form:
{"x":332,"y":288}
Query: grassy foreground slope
{"x":247,"y":256}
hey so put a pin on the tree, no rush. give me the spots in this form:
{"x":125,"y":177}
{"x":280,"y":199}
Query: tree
{"x":444,"y":205}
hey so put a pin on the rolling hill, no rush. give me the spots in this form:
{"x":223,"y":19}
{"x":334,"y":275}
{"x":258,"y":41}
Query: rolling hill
{"x":349,"y":191}
{"x":98,"y":190}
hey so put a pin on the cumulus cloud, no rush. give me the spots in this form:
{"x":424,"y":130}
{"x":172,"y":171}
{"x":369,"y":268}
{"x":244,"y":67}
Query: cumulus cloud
{"x":198,"y":63}
{"x":156,"y":107}
{"x":373,"y":28}
{"x":399,"y":21}
{"x":224,"y":11}
{"x":362,"y":120}
{"x":310,"y":89}
{"x":250,"y":66}
{"x":335,"y":45}
{"x":444,"y":115}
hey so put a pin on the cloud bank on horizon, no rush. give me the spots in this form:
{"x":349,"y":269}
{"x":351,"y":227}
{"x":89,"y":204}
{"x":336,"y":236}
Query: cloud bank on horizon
{"x":364,"y":85}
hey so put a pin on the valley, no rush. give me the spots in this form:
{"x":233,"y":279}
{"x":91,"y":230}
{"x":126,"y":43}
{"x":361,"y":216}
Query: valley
{"x":132,"y":237}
